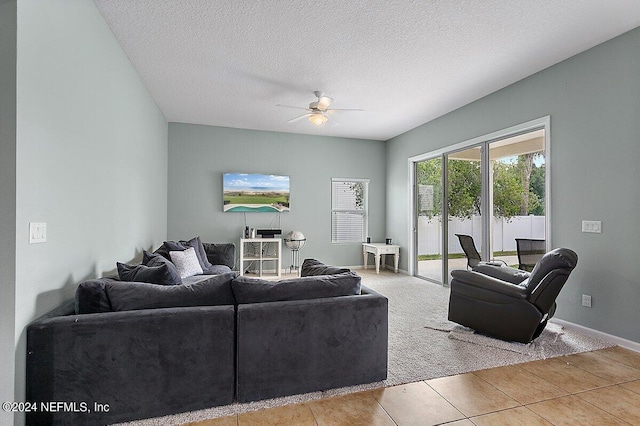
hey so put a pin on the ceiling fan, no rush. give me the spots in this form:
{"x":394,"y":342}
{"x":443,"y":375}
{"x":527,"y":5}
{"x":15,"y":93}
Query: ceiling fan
{"x":319,"y":111}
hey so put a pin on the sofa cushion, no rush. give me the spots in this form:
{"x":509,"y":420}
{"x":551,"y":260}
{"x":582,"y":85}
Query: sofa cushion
{"x":161,"y":274}
{"x":197,"y":278}
{"x":186,"y":262}
{"x":91,"y":297}
{"x":253,"y":290}
{"x":312,"y":267}
{"x":216,"y":290}
{"x":217,"y":269}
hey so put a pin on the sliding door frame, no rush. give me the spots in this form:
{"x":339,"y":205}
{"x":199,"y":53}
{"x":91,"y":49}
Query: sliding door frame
{"x":537,"y":124}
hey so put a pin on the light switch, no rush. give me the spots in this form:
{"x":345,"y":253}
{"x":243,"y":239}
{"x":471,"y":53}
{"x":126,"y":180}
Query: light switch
{"x":592,"y":226}
{"x":37,"y":232}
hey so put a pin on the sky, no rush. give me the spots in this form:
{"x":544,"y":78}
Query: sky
{"x":240,"y":181}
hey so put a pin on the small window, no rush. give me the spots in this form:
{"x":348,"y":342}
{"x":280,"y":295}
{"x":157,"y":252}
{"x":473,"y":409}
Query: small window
{"x":349,"y":210}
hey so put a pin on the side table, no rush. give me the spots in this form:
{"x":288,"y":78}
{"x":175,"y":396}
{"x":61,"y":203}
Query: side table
{"x":380,"y":249}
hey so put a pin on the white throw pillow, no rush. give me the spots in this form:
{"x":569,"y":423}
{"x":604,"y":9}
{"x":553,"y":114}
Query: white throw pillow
{"x":186,"y":262}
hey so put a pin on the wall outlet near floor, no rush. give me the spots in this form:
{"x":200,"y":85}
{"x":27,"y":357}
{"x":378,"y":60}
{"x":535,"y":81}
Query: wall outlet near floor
{"x":592,"y":226}
{"x":586,"y":300}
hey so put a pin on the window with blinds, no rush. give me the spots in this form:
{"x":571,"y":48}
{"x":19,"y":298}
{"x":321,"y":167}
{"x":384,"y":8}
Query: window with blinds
{"x":349,"y":208}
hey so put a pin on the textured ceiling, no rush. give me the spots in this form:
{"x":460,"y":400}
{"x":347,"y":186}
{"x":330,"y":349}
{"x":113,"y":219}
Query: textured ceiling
{"x":228,"y":63}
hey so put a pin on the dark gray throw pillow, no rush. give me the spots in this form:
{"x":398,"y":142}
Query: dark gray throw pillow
{"x":252,"y":290}
{"x":220,"y":253}
{"x":312,"y":267}
{"x":91,"y":297}
{"x":162,"y":274}
{"x":169,"y":246}
{"x":153,"y":259}
{"x":213,"y":291}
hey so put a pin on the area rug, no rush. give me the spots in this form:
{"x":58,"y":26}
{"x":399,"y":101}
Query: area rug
{"x":423,"y":345}
{"x":546,"y":343}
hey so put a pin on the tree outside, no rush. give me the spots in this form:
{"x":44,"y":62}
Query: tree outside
{"x":518,"y":187}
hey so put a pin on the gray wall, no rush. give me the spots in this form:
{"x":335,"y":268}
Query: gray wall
{"x":594,"y":103}
{"x":198,"y":155}
{"x":8,"y":17}
{"x":91,"y":157}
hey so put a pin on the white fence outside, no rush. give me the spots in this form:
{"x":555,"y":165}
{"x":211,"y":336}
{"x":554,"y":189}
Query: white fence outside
{"x":505,"y":232}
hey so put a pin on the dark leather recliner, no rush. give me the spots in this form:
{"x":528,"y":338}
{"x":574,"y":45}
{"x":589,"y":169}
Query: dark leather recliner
{"x":515,"y":312}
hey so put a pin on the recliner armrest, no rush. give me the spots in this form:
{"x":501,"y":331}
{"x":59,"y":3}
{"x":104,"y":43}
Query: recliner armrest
{"x":486,"y":282}
{"x":503,"y":273}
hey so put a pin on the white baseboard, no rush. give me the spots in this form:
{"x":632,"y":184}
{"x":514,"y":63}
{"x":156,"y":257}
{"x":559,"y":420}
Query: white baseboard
{"x":370,"y":267}
{"x":628,"y":344}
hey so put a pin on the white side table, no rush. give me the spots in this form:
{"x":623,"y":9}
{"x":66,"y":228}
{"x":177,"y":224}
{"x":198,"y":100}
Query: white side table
{"x":263,"y":251}
{"x":381,"y":249}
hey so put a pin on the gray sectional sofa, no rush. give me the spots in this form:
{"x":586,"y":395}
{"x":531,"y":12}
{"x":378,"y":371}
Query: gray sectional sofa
{"x":263,"y":339}
{"x":302,"y":344}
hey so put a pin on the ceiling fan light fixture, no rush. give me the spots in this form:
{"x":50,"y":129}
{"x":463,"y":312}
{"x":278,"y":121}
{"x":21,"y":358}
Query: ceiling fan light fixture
{"x":324,"y":102}
{"x":318,"y":119}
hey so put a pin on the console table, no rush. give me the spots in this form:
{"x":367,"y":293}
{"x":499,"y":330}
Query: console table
{"x":381,"y":249}
{"x":260,"y":250}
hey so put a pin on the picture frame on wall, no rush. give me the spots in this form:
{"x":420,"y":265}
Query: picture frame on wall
{"x":251,"y":192}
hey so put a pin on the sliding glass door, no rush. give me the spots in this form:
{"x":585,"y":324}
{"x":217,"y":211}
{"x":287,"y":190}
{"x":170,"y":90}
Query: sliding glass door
{"x":516,"y":197}
{"x":464,"y":204}
{"x":429,"y":226}
{"x":495,"y":191}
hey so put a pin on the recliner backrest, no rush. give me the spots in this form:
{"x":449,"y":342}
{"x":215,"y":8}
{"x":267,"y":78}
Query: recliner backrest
{"x":548,"y":277}
{"x":545,"y":293}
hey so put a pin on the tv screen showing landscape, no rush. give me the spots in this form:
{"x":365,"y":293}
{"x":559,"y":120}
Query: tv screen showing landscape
{"x":243,"y":192}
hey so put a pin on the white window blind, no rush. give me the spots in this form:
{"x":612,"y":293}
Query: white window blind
{"x":349,"y":206}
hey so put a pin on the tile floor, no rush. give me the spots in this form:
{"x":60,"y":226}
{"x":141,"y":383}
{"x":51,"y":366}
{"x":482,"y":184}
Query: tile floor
{"x":592,"y":388}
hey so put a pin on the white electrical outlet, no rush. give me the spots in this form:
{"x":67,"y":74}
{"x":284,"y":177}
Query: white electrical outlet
{"x":592,"y":226}
{"x":37,"y":233}
{"x":586,"y":300}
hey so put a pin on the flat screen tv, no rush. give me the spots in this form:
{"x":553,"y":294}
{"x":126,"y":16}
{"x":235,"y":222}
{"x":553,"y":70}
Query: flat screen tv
{"x":243,"y":192}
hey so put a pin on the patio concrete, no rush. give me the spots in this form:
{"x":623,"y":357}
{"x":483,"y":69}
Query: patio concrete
{"x":432,"y":269}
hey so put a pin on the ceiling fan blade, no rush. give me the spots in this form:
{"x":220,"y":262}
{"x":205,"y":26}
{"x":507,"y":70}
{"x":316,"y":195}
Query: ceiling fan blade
{"x":324,"y":102}
{"x":291,"y":106}
{"x":299,"y":117}
{"x":345,"y":109}
{"x":332,"y":121}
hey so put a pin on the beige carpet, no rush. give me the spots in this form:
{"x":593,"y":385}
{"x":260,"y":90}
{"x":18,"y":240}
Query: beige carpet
{"x":422,"y":345}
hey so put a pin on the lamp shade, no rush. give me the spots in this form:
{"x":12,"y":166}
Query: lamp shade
{"x":318,"y":119}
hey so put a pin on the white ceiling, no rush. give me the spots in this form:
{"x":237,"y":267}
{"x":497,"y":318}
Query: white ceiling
{"x":405,"y":62}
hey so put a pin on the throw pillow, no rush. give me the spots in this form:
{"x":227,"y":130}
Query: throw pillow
{"x":152,"y":259}
{"x":220,"y":253}
{"x":91,"y":297}
{"x":312,"y":267}
{"x":161,"y":274}
{"x":252,"y":290}
{"x":196,"y":243}
{"x":214,"y":291}
{"x":186,"y":262}
{"x":169,"y":246}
